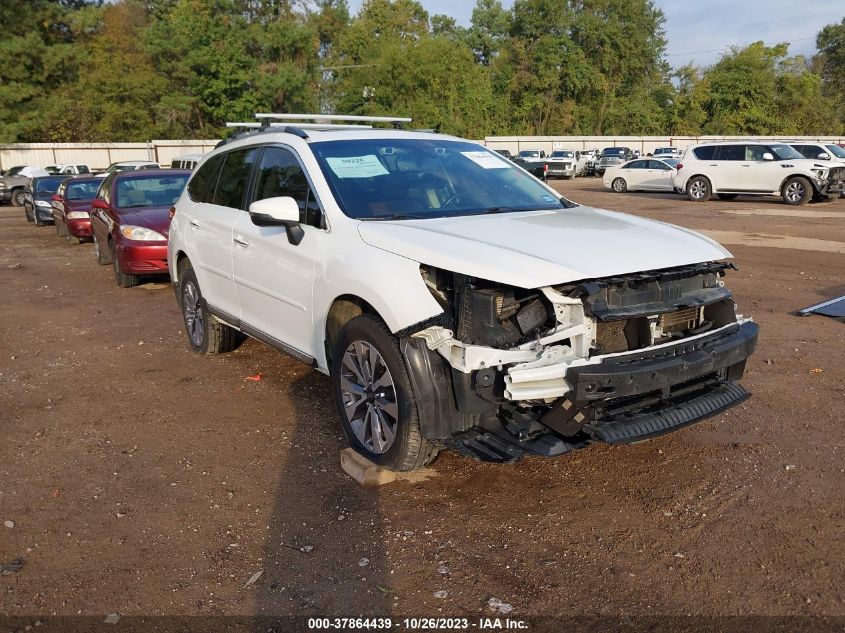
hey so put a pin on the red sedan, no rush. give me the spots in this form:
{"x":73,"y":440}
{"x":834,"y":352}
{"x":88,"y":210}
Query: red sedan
{"x":130,"y":219}
{"x":71,"y":206}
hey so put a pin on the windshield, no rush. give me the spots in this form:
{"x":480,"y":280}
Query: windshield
{"x":48,"y":185}
{"x":785,"y":152}
{"x":613,"y":151}
{"x":563,"y":154}
{"x":836,"y":151}
{"x":84,"y":190}
{"x":389,"y":179}
{"x":529,"y":153}
{"x":115,"y":167}
{"x":154,"y":191}
{"x":52,"y":169}
{"x":14,"y":171}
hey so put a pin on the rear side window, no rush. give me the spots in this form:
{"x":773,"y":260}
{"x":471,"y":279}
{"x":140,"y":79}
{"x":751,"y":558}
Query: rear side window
{"x":705,"y":152}
{"x":637,"y":164}
{"x":234,"y":178}
{"x":731,"y":152}
{"x":201,"y":187}
{"x":280,"y":174}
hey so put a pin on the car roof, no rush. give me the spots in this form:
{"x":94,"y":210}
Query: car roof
{"x":135,"y":162}
{"x":277,"y":134}
{"x":146,"y":173}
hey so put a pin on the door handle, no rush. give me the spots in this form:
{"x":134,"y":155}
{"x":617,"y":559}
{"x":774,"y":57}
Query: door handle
{"x":194,"y":223}
{"x":745,"y":165}
{"x":240,"y":241}
{"x":713,"y":165}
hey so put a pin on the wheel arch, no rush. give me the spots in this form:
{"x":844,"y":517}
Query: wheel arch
{"x":798,"y":175}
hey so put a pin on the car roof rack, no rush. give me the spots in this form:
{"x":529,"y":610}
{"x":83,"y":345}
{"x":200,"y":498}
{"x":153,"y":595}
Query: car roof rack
{"x":323,"y":119}
{"x":300,"y":123}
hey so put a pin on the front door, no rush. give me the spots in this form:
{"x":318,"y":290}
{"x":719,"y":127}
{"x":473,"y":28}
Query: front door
{"x":275,"y":278}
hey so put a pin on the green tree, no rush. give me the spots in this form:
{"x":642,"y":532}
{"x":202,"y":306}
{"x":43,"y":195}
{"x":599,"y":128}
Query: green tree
{"x":759,"y":90}
{"x":488,"y":30}
{"x":42,"y":49}
{"x":831,"y":64}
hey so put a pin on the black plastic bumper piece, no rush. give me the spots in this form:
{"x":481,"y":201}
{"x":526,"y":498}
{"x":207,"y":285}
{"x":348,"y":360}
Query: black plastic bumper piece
{"x":647,"y":425}
{"x":501,"y":447}
{"x":658,"y":370}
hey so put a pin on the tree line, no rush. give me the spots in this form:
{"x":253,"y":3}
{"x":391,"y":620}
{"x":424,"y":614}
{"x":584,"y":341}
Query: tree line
{"x":132,"y":70}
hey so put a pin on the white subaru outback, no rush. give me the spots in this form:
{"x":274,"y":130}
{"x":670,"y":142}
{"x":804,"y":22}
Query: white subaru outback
{"x":455,"y":300}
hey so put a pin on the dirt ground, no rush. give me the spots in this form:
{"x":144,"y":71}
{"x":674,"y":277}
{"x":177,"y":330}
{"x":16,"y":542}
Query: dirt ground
{"x":143,"y":479}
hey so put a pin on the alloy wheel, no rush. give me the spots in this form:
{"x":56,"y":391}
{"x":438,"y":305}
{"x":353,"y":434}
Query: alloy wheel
{"x":194,"y":316}
{"x":369,"y":397}
{"x":795,"y":191}
{"x":697,"y":189}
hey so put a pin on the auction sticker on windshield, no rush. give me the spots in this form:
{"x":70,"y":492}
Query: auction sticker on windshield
{"x":486,"y":160}
{"x":357,"y":166}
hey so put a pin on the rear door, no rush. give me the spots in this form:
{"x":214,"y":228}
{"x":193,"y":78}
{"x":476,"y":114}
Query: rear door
{"x":208,"y":234}
{"x":660,"y":176}
{"x":729,"y":170}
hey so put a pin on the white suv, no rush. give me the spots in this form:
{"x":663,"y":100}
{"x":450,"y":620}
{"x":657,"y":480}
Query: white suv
{"x":455,"y":300}
{"x":734,"y":168}
{"x":831,"y":152}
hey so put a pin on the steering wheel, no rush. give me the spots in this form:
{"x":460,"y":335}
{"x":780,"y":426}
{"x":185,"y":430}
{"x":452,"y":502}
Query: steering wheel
{"x":455,"y":197}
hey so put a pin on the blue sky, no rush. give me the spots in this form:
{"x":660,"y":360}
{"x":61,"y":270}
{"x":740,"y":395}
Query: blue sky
{"x":699,"y":30}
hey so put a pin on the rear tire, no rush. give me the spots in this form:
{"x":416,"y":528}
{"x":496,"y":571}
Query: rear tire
{"x":699,"y":189}
{"x":102,"y":257}
{"x":206,"y":334}
{"x":122,"y":279}
{"x":797,"y":191}
{"x":619,"y":185}
{"x":727,"y":196}
{"x":371,"y":386}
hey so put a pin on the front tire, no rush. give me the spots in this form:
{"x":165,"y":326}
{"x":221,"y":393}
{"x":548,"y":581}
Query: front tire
{"x":206,"y":335}
{"x":18,"y":198}
{"x":619,"y":185}
{"x":699,"y":189}
{"x":797,"y":191}
{"x":374,"y":398}
{"x":122,"y":279}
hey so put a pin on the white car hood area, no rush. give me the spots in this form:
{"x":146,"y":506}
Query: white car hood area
{"x":542,"y":248}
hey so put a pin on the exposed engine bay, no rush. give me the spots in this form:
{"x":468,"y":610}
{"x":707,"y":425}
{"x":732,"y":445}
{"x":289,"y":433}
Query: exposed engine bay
{"x":563,"y":364}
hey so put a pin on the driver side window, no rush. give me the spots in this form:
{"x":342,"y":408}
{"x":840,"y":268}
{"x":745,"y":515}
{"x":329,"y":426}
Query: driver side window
{"x":279,"y":174}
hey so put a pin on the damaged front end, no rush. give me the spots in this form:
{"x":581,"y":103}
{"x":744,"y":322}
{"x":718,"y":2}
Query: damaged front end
{"x":510,"y":371}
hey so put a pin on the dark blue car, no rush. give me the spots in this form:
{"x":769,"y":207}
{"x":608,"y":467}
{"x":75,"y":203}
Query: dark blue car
{"x":38,"y":198}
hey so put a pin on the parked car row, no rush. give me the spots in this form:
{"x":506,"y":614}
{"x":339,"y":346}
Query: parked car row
{"x":15,"y":180}
{"x":125,"y":213}
{"x":797,"y":172}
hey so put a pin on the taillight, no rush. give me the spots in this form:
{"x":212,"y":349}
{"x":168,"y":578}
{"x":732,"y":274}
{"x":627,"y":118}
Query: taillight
{"x":545,"y":168}
{"x":172,"y":212}
{"x":680,"y":166}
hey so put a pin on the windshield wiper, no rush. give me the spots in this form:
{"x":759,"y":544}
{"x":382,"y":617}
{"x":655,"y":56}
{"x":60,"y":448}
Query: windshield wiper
{"x":397,"y":216}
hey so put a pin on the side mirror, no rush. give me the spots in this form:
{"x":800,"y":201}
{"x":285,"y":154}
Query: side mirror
{"x":823,"y":156}
{"x":99,"y":203}
{"x":280,"y":211}
{"x":768,"y":156}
